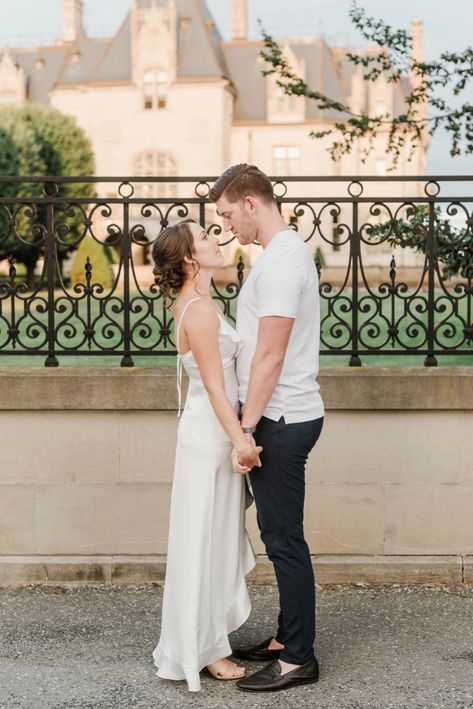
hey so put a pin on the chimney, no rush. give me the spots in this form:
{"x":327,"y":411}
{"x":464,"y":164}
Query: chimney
{"x":240,"y":19}
{"x":417,"y":29}
{"x":72,"y":19}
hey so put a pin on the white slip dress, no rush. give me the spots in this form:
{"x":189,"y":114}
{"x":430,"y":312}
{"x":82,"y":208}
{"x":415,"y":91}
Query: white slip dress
{"x":205,"y":594}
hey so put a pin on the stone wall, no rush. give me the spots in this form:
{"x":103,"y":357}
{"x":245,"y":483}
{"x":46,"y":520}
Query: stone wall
{"x":87,"y":461}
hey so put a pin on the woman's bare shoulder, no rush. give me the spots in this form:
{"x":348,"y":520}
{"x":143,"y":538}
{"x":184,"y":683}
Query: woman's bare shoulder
{"x":202,"y":310}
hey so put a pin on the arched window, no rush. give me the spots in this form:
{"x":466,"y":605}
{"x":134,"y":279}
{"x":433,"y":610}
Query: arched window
{"x":154,"y":163}
{"x":155,"y":89}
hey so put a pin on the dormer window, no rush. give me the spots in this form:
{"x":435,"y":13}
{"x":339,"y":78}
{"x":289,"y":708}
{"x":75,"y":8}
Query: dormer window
{"x":285,"y":103}
{"x":282,"y":107}
{"x":185,"y":23}
{"x":155,"y":89}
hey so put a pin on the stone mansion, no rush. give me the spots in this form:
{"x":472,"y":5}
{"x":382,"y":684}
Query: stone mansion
{"x":166,"y":95}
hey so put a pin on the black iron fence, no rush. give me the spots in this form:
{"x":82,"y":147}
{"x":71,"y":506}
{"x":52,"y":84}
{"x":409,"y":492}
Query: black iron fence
{"x":395,"y":258}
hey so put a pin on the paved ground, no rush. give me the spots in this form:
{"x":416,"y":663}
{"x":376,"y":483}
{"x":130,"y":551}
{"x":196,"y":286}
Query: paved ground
{"x":384,"y":648}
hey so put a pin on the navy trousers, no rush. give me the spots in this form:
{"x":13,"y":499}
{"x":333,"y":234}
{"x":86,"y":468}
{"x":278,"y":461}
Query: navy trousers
{"x":278,"y":488}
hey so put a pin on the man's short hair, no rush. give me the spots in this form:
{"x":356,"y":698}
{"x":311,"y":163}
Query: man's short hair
{"x":239,"y":181}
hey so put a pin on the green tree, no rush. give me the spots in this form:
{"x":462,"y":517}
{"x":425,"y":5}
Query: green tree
{"x":393,"y":58}
{"x":454,"y":246}
{"x":100,"y":261}
{"x":240,"y":254}
{"x":41,"y":142}
{"x":19,"y":155}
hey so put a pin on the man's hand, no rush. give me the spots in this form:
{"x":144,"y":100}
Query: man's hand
{"x":249,"y":456}
{"x":246,"y":458}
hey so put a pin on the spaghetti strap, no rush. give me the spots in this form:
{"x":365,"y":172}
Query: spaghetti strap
{"x":180,"y":320}
{"x":179,"y":362}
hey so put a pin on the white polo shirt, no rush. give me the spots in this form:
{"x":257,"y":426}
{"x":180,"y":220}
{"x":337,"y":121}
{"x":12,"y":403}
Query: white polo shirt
{"x":284,"y":282}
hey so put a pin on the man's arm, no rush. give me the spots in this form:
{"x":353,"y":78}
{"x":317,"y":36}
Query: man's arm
{"x":271,"y":345}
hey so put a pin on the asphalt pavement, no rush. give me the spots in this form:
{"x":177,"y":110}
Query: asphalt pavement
{"x":378,"y":648}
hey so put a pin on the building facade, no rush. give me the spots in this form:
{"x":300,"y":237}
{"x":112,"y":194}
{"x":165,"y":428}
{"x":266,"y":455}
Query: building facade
{"x":167,"y":96}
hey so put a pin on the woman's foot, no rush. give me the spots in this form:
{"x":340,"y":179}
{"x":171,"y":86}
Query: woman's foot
{"x":226,"y":670}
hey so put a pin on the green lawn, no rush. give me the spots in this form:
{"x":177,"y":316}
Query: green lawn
{"x":155,"y":361}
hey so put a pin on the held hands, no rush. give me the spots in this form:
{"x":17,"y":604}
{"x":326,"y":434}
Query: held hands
{"x":249,"y":456}
{"x":256,"y":450}
{"x":246,"y":458}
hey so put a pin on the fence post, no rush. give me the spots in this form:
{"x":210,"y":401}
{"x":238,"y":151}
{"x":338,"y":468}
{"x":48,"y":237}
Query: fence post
{"x":50,"y":255}
{"x":355,"y":360}
{"x":430,"y":360}
{"x":127,"y":360}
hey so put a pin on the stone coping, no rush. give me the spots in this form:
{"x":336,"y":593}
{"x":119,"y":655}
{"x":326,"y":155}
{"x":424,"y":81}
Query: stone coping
{"x":154,"y":388}
{"x":103,"y":570}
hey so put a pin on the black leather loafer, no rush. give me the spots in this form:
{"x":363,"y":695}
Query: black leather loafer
{"x":257,"y":653}
{"x":270,"y":679}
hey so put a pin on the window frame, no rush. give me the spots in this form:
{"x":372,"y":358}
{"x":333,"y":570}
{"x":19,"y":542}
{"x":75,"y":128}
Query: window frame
{"x":155,"y":88}
{"x":286,"y":159}
{"x":146,"y":163}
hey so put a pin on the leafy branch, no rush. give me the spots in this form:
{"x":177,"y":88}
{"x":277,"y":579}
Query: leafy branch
{"x":454,"y":246}
{"x":391,"y":57}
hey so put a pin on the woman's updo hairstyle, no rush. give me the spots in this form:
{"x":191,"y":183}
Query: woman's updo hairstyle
{"x":168,"y":252}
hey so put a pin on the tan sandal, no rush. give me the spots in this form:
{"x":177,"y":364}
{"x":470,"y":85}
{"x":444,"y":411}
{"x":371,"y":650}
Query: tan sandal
{"x":232,"y":673}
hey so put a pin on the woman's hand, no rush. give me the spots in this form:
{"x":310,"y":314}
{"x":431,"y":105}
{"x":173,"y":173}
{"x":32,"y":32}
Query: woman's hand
{"x":237,"y":467}
{"x":248,"y":457}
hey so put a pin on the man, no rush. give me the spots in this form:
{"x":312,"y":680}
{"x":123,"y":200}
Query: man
{"x":278,"y":318}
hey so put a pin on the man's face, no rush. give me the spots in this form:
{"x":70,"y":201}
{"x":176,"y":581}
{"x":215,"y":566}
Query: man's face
{"x":237,"y":218}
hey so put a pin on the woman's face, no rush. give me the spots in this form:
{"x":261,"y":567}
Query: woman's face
{"x":206,"y":248}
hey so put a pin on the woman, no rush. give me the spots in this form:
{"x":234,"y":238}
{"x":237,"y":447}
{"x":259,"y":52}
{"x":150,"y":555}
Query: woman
{"x":209,"y":553}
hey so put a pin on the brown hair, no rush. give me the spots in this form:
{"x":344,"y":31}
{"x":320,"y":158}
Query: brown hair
{"x":239,"y":181}
{"x":168,"y":252}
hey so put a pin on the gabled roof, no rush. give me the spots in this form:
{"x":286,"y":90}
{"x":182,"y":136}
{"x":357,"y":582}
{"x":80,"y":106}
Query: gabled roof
{"x":201,"y":52}
{"x":245,"y":72}
{"x":348,"y":69}
{"x":109,"y":59}
{"x":115,"y":62}
{"x":321,"y":75}
{"x":245,"y":68}
{"x":41,"y":81}
{"x":83,"y":57}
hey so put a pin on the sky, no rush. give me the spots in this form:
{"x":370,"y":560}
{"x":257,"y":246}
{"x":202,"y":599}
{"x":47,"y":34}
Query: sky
{"x":447,"y":27}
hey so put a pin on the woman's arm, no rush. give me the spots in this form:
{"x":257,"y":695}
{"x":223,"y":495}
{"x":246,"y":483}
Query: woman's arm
{"x":201,"y":329}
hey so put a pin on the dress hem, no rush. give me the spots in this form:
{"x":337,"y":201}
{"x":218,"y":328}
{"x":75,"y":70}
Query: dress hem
{"x":171,"y":670}
{"x":237,"y":615}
